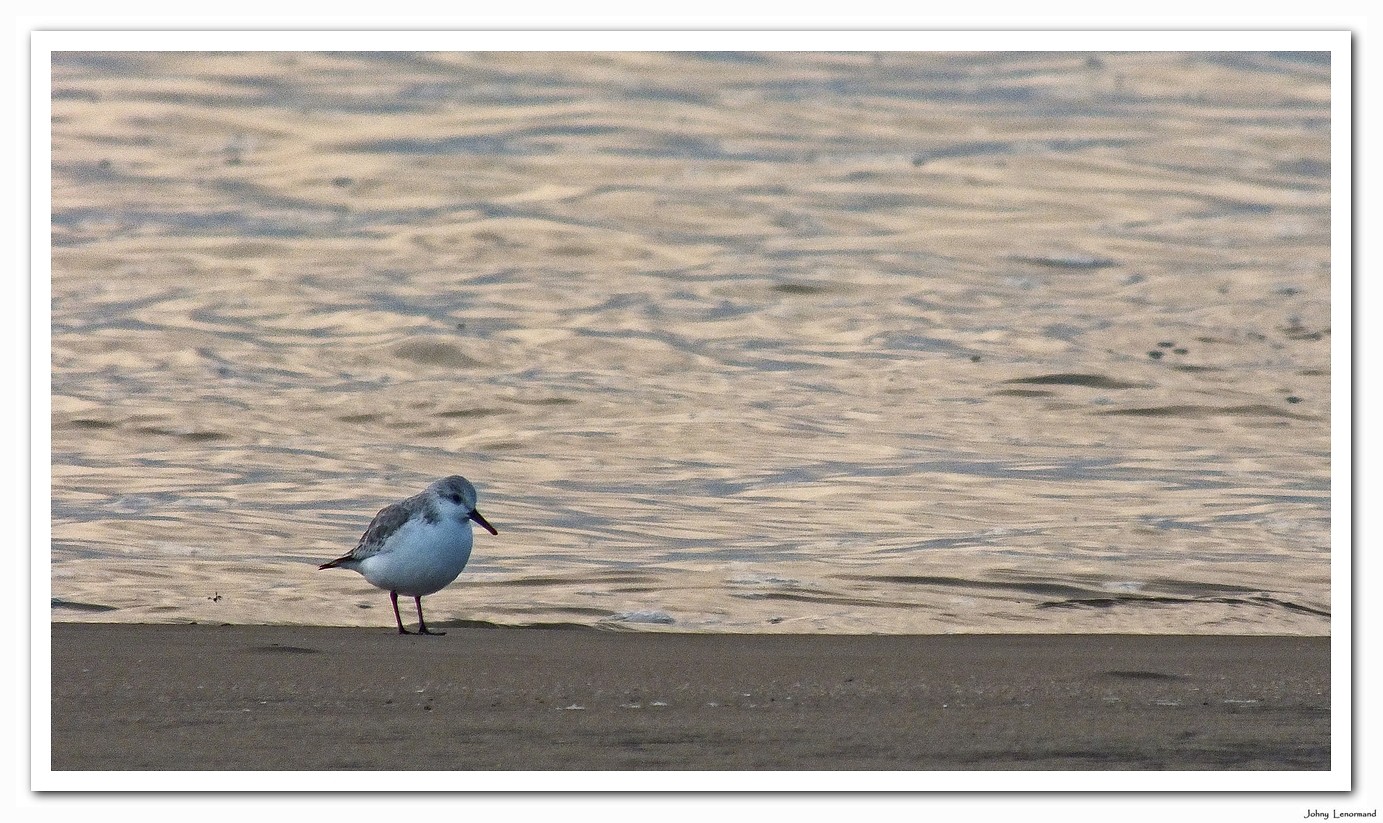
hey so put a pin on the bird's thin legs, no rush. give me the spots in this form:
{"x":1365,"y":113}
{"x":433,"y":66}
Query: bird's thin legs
{"x":422,"y":626}
{"x":394,"y":598}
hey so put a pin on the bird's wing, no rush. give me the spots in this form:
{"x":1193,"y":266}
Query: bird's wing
{"x":388,"y":521}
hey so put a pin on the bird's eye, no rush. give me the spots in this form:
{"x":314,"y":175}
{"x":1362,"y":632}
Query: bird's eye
{"x":455,"y":498}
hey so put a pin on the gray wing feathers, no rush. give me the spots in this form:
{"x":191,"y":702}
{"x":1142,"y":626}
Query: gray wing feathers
{"x":388,"y":521}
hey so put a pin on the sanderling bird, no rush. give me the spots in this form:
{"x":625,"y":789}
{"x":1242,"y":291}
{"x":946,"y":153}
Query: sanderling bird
{"x":419,"y":545}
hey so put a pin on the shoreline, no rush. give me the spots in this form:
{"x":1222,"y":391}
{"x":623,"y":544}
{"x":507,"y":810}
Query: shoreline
{"x":225,"y":698}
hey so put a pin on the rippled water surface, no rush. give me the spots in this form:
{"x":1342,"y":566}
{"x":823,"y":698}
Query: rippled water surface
{"x":728,"y":342}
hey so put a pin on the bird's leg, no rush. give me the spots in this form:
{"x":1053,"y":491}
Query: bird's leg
{"x":394,"y":598}
{"x":422,"y":627}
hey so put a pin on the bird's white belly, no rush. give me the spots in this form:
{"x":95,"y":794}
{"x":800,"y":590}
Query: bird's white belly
{"x":420,"y":558}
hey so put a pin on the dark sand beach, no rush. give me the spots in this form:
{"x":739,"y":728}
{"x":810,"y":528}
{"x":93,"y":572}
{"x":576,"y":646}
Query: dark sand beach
{"x":166,"y":697}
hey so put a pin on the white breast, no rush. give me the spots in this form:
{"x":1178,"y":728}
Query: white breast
{"x":420,"y":558}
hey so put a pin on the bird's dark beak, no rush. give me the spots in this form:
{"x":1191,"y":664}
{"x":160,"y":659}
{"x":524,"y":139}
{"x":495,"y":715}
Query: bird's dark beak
{"x":475,"y":515}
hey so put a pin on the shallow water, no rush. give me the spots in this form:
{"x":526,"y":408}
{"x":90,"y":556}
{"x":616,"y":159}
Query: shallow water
{"x":781,"y":342}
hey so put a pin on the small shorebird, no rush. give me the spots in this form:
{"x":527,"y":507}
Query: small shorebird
{"x":419,"y":545}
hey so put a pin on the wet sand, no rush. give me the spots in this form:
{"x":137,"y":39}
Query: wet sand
{"x":166,"y":697}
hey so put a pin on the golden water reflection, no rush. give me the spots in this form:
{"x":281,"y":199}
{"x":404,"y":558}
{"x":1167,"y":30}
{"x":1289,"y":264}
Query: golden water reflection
{"x":781,"y":342}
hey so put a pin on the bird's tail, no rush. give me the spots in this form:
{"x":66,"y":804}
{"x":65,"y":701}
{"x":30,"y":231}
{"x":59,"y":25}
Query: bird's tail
{"x":333,"y":564}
